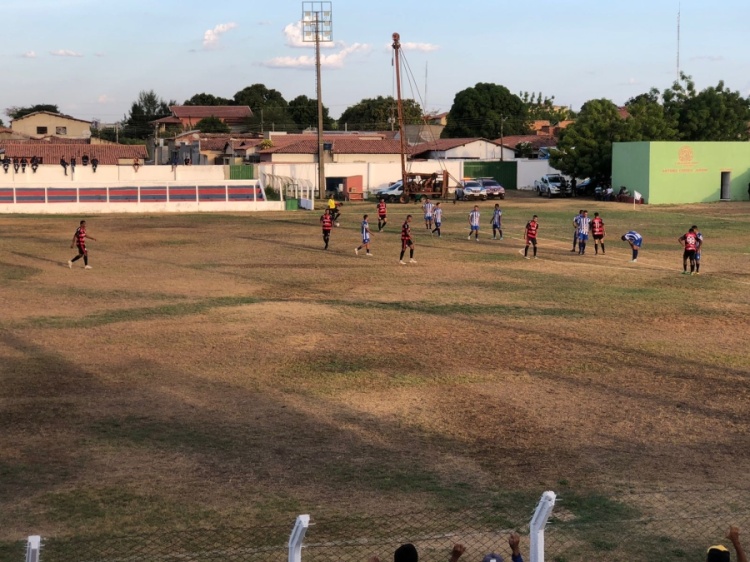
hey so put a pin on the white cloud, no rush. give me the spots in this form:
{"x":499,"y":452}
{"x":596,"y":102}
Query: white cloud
{"x":293,"y":34}
{"x":422,"y":47}
{"x":65,"y":53}
{"x":29,"y":55}
{"x":211,"y":36}
{"x":334,"y":60}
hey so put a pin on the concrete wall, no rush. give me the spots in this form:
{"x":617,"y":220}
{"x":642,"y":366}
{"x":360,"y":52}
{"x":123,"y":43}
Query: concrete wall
{"x":679,"y":172}
{"x":374,"y":175}
{"x":633,"y":169}
{"x":53,"y":175}
{"x":530,"y":170}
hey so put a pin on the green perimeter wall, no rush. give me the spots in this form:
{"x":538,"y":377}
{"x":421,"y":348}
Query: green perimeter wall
{"x":681,"y":172}
{"x":630,"y":166}
{"x":505,"y":173}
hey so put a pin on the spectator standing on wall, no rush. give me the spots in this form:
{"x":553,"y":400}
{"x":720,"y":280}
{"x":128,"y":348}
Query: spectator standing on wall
{"x":73,"y":164}
{"x":94,"y":164}
{"x":64,"y":165}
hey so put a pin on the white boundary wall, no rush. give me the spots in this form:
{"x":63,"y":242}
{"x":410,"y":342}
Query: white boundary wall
{"x":529,"y":171}
{"x":375,"y":175}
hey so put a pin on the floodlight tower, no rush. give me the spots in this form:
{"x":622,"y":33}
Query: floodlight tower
{"x":317,"y":26}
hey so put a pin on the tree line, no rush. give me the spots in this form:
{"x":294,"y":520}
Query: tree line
{"x":485,"y":110}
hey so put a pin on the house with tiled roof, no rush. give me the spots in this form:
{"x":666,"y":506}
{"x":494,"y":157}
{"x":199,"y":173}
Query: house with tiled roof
{"x":46,"y":123}
{"x":337,"y":148}
{"x":48,"y":153}
{"x":188,"y":116}
{"x":461,"y":149}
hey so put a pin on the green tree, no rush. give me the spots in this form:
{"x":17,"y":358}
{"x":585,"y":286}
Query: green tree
{"x":585,"y":147}
{"x":18,"y":112}
{"x":270,"y":109}
{"x":543,"y":108}
{"x":304,"y":113}
{"x":648,"y":120}
{"x":714,"y":114}
{"x":208,"y":99}
{"x":1,"y":123}
{"x":486,"y":110}
{"x":148,"y":107}
{"x":212,"y":125}
{"x":379,"y":114}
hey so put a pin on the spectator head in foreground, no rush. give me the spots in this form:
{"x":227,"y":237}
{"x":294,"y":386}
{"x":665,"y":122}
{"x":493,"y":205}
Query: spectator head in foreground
{"x":720,"y":553}
{"x":406,"y":553}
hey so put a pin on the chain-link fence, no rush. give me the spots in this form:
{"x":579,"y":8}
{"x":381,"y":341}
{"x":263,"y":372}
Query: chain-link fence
{"x":654,"y":526}
{"x":628,"y":526}
{"x":261,"y":544}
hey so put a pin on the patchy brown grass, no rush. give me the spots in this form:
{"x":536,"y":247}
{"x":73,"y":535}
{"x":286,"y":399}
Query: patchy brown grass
{"x":223,"y":368}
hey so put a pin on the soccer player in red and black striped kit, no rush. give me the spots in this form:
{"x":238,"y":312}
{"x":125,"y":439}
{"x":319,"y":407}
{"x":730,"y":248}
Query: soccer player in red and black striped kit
{"x":598,"y":232}
{"x":79,"y":240}
{"x":529,"y":235}
{"x":689,"y":241}
{"x":406,"y":242}
{"x":382,"y":214}
{"x":326,"y":222}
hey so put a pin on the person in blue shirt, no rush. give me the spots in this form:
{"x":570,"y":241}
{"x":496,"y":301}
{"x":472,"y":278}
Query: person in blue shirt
{"x":497,"y":224}
{"x":365,"y":231}
{"x":635,"y":240}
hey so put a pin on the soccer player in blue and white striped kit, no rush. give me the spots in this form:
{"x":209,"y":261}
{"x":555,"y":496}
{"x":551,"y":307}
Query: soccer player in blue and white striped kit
{"x":584,"y":223}
{"x":428,"y":208}
{"x":497,"y":225}
{"x":365,"y":229}
{"x":474,"y":223}
{"x":635,"y":240}
{"x":438,"y":214}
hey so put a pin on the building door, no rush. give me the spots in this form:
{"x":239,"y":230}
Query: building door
{"x":726,"y":190}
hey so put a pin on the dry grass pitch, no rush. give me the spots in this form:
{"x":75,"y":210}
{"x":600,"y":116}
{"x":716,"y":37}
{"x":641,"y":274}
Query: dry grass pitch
{"x":225,"y":369}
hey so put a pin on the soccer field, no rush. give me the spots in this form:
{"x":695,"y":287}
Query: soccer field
{"x":224,"y":369}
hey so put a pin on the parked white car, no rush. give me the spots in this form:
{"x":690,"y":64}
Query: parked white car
{"x":552,"y":184}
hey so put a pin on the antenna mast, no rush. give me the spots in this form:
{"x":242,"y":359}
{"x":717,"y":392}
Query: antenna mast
{"x":679,"y":10}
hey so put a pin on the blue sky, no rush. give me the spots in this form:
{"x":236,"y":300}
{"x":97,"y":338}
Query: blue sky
{"x":92,"y":57}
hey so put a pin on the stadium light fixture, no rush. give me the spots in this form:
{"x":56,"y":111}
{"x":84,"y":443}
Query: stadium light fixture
{"x":317,"y":26}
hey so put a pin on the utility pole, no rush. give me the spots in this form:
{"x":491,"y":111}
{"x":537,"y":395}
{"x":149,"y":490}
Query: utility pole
{"x":502,"y":148}
{"x":397,"y":56}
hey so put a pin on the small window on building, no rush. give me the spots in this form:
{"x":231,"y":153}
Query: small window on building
{"x":61,"y":130}
{"x":41,"y":130}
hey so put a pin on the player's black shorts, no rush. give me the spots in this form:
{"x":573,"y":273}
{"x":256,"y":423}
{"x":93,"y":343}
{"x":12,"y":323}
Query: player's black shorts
{"x":598,"y":236}
{"x":82,"y":250}
{"x":406,"y":243}
{"x":531,"y":241}
{"x":381,"y":217}
{"x":688,"y":254}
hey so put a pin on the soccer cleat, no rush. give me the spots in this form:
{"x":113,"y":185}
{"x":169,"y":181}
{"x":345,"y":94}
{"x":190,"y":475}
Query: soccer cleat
{"x":356,"y":251}
{"x":468,"y":237}
{"x":402,"y":262}
{"x":535,"y":257}
{"x":526,"y":258}
{"x":369,"y":255}
{"x":697,"y":273}
{"x":685,"y":273}
{"x":70,"y":264}
{"x":634,"y":261}
{"x":87,"y":267}
{"x":500,"y":238}
{"x":412,"y":260}
{"x":494,"y":237}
